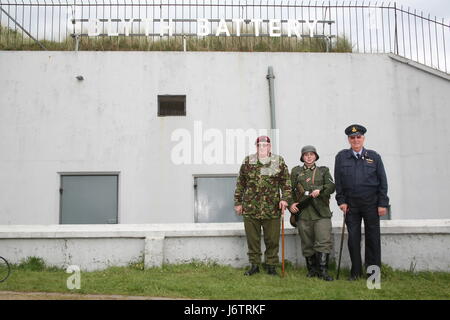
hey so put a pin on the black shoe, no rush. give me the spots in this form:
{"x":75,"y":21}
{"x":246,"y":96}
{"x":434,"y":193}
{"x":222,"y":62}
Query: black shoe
{"x":253,"y":269}
{"x":271,"y":270}
{"x":353,"y":277}
{"x":311,"y":265}
{"x":322,"y":259}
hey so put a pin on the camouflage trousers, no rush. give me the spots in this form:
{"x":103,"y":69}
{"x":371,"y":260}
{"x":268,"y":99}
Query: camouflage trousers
{"x":271,"y":231}
{"x":315,"y":236}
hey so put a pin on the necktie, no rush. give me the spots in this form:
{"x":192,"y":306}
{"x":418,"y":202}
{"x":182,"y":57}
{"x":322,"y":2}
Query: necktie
{"x":358,"y":156}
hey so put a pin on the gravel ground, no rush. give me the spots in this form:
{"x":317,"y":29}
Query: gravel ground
{"x":12,"y":295}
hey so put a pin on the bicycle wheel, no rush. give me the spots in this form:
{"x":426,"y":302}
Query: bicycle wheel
{"x":5,"y":269}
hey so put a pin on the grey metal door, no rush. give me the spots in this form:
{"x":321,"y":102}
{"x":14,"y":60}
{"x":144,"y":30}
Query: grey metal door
{"x":214,"y":199}
{"x":88,"y":199}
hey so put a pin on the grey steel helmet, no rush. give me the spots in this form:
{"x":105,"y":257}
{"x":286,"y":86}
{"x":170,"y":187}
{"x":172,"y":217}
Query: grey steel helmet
{"x":309,"y":149}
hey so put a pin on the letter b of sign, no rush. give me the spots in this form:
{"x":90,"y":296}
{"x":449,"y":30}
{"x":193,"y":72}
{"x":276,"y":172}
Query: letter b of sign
{"x":374,"y":280}
{"x":74,"y":281}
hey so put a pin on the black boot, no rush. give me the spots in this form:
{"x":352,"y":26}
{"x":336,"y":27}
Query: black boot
{"x":354,"y":277}
{"x":311,"y":264}
{"x":271,"y":270}
{"x":322,"y":259}
{"x":253,"y":269}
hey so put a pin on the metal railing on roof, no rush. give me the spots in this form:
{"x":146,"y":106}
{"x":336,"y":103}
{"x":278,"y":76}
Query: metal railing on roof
{"x":236,"y":25}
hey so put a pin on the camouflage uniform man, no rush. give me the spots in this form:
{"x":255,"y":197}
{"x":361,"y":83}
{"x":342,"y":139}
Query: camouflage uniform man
{"x":311,"y":188}
{"x":257,"y":197}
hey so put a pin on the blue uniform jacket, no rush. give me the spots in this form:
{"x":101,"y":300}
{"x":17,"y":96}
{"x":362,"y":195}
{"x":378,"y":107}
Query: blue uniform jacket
{"x":361,"y":178}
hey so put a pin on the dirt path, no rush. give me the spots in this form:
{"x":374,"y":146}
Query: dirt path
{"x":13,"y":295}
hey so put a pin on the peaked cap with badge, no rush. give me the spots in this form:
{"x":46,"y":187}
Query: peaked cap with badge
{"x":355,"y":130}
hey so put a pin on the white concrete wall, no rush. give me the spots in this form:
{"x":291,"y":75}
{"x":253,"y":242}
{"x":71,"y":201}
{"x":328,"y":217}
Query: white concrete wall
{"x":417,"y":245}
{"x":52,"y":123}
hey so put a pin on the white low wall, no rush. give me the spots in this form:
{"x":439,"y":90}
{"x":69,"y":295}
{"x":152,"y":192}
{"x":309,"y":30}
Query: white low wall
{"x":406,"y":244}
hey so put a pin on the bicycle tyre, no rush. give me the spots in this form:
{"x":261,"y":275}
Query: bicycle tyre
{"x":5,"y":269}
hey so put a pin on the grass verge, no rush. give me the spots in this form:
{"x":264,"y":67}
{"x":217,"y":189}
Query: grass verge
{"x":11,"y":39}
{"x":213,"y":281}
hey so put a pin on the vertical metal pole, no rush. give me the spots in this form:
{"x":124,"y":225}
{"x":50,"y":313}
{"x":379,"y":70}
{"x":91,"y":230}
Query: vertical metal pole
{"x":389,"y":26}
{"x":370,"y":28}
{"x":15,"y":27}
{"x":376,"y":27}
{"x":30,"y":26}
{"x":395,"y":30}
{"x":45,"y":19}
{"x":382,"y":26}
{"x":363,"y":27}
{"x":139,"y":27}
{"x":409,"y":32}
{"x":429,"y":37}
{"x":343,"y":21}
{"x":77,"y":42}
{"x":270,"y":76}
{"x":415,"y":31}
{"x":423,"y":38}
{"x":443,"y":42}
{"x":74,"y":35}
{"x":337,"y":24}
{"x":37,"y":21}
{"x":175,"y":24}
{"x":437,"y":42}
{"x":350,"y":21}
{"x":59,"y":22}
{"x":0,"y":26}
{"x":357,"y":27}
{"x":23,"y":19}
{"x":67,"y":28}
{"x":403,"y":33}
{"x":52,"y":39}
{"x":182,"y":24}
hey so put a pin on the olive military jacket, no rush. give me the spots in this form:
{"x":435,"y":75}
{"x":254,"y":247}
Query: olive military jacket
{"x":259,"y":184}
{"x":302,"y":180}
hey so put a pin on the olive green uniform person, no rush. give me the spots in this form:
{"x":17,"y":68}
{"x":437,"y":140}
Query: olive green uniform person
{"x":263,"y":190}
{"x":311,"y":187}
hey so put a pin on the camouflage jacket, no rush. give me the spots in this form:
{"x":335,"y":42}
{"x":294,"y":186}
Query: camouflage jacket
{"x":302,"y":180}
{"x":258,"y":186}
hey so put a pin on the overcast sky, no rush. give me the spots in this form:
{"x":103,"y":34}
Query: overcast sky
{"x":438,"y":8}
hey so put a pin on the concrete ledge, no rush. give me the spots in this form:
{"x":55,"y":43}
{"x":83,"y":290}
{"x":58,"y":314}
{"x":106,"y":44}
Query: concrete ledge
{"x":420,"y":66}
{"x":192,"y":229}
{"x":406,"y":244}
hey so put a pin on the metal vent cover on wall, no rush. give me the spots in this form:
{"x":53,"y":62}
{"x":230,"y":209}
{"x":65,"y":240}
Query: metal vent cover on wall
{"x":171,"y":105}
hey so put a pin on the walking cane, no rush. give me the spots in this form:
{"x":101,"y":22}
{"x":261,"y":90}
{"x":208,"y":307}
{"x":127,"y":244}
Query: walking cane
{"x":282,"y":243}
{"x":340,"y":250}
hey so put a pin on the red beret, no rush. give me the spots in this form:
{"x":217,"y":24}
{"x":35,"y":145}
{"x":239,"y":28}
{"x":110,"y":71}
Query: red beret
{"x":262,"y":139}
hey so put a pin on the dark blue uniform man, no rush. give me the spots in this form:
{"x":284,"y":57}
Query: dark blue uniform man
{"x":361,"y":193}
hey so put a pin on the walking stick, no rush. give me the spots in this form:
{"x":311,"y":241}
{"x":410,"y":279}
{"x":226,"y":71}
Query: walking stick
{"x":282,"y":243}
{"x":340,"y":250}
